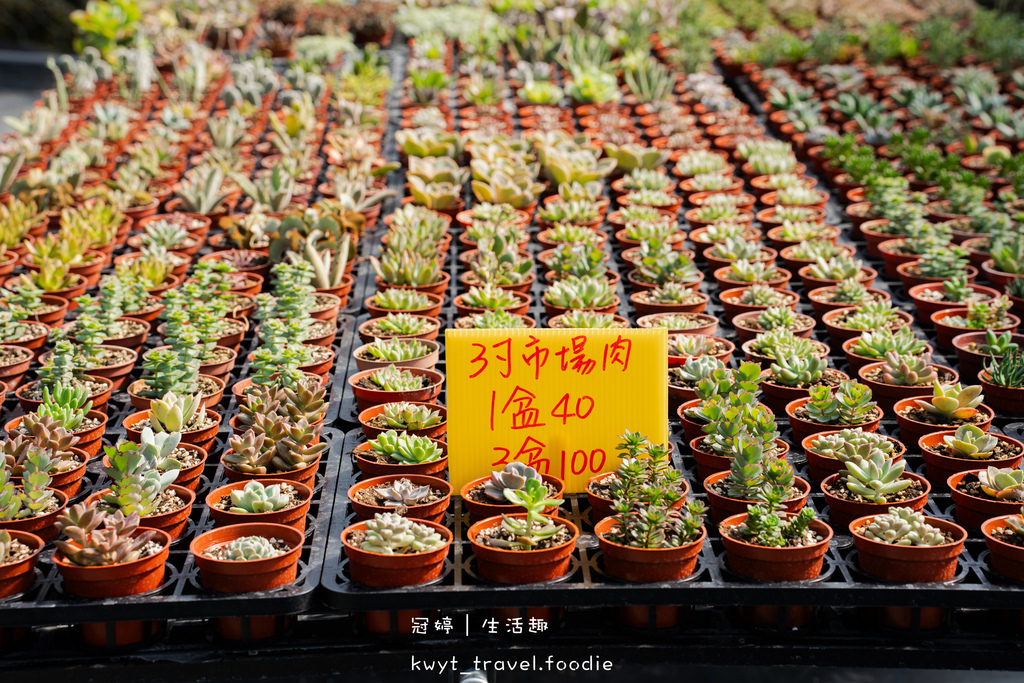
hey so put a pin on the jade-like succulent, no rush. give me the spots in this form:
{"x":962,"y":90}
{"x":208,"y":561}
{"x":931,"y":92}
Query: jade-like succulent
{"x":406,"y":449}
{"x":832,"y":445}
{"x":395,"y":350}
{"x":763,"y":295}
{"x":407,"y":416}
{"x":514,"y":476}
{"x":401,"y":300}
{"x":91,"y":546}
{"x":529,"y":531}
{"x":883,"y":340}
{"x":777,"y":317}
{"x":392,"y":378}
{"x":909,"y":371}
{"x":173,"y":413}
{"x":1002,"y":484}
{"x":729,"y":425}
{"x":138,"y":479}
{"x":793,"y":370}
{"x":403,"y":493}
{"x":391,"y":534}
{"x":250,"y":548}
{"x":870,"y":474}
{"x":902,"y":526}
{"x":971,"y":442}
{"x":848,"y":404}
{"x":255,"y":498}
{"x":754,"y":476}
{"x":953,"y":402}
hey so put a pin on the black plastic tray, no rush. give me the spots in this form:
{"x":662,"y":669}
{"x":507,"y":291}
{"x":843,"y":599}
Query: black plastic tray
{"x":586,"y":584}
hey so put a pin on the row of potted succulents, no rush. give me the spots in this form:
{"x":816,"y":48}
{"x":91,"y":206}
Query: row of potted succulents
{"x":155,"y":208}
{"x":682,"y":147}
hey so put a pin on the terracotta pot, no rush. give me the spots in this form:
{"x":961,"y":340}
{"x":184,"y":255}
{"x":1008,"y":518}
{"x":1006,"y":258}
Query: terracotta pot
{"x":519,"y":567}
{"x":647,"y":565}
{"x":225,"y":576}
{"x":724,"y":284}
{"x":142,"y":403}
{"x":432,"y":512}
{"x":971,"y":511}
{"x":1008,"y":399}
{"x":939,"y":468}
{"x":805,"y":428}
{"x":644,"y":308}
{"x":909,"y":564}
{"x":12,"y":374}
{"x":723,"y":507}
{"x":866,"y":277}
{"x":478,"y":511}
{"x":912,"y":430}
{"x":366,"y":398}
{"x":55,"y":317}
{"x":436,"y":432}
{"x":841,"y":512}
{"x":837,"y":334}
{"x":372,"y":468}
{"x":909,"y":279}
{"x":822,"y":307}
{"x":775,"y":564}
{"x":99,"y":400}
{"x":439,"y":287}
{"x":998,"y":278}
{"x":886,"y":395}
{"x":171,"y":523}
{"x":707,"y":329}
{"x":117,"y":374}
{"x":971,"y":363}
{"x":18,"y":577}
{"x":1005,"y":559}
{"x":746,"y":333}
{"x":766,"y":362}
{"x":41,"y":526}
{"x":427,"y":361}
{"x":731,"y":302}
{"x":945,"y":333}
{"x":926,"y":307}
{"x":34,"y":344}
{"x":386,"y":571}
{"x":117,"y":580}
{"x":430,"y":335}
{"x":294,"y":517}
{"x":552,"y":311}
{"x":304,"y":475}
{"x":821,"y":467}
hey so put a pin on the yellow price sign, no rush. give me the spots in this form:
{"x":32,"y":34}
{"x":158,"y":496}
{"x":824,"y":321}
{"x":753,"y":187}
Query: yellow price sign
{"x":556,"y":400}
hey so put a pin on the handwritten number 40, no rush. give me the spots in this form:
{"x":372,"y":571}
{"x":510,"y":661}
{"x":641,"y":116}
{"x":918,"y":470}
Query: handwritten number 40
{"x":584,"y":407}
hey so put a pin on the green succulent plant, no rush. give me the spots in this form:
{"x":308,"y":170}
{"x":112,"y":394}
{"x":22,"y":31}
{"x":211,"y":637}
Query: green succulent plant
{"x":902,"y":526}
{"x":389,"y":533}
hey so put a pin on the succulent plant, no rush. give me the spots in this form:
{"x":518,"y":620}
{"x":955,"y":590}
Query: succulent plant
{"x":251,"y":548}
{"x":92,"y":546}
{"x":731,"y":427}
{"x":138,"y":477}
{"x":1002,"y":484}
{"x":794,"y":370}
{"x":953,"y":402}
{"x":514,"y":477}
{"x":982,"y":315}
{"x":408,"y":416}
{"x":391,"y":534}
{"x":1007,"y":371}
{"x":871,"y":474}
{"x":401,"y":300}
{"x":736,"y":249}
{"x":489,"y":297}
{"x":580,"y":293}
{"x":392,"y":378}
{"x":406,"y":269}
{"x":67,"y":406}
{"x":173,"y":413}
{"x":905,"y":370}
{"x":872,"y":315}
{"x":778,"y":317}
{"x":394,"y":350}
{"x":902,"y":526}
{"x":971,"y":442}
{"x":878,"y":343}
{"x":403,"y":493}
{"x":691,"y":345}
{"x":998,"y":345}
{"x":762,"y":295}
{"x":255,"y":498}
{"x":837,"y":268}
{"x":781,"y":341}
{"x":848,"y":404}
{"x":402,"y":324}
{"x":833,"y":445}
{"x":589,"y":320}
{"x":34,"y":497}
{"x":754,"y":476}
{"x":751,"y":272}
{"x":406,"y":449}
